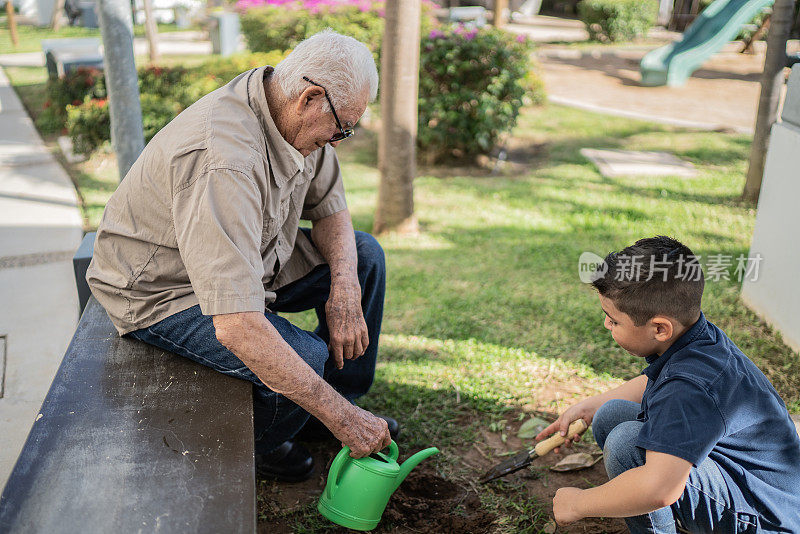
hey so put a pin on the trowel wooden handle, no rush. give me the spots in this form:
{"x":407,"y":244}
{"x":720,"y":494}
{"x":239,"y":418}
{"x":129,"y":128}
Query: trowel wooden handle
{"x":578,"y":426}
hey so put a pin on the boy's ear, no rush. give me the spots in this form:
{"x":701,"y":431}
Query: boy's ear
{"x":662,"y":328}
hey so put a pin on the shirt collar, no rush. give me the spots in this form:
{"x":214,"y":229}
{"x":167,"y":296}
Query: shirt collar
{"x":657,"y":362}
{"x":284,"y":159}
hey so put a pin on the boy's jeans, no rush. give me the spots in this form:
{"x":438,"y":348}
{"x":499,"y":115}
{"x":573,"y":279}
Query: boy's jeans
{"x":275,"y":418}
{"x":706,"y":504}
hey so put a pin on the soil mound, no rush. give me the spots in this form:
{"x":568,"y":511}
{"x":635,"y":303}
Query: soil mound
{"x":430,"y":504}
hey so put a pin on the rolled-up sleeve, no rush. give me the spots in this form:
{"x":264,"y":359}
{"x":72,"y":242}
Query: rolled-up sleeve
{"x":218,"y":223}
{"x":325,"y":195}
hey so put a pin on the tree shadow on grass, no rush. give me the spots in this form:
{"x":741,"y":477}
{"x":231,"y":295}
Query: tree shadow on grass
{"x":515,"y":287}
{"x":519,"y":287}
{"x":662,"y":191}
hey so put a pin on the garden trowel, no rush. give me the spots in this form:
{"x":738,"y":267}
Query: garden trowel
{"x":524,"y":458}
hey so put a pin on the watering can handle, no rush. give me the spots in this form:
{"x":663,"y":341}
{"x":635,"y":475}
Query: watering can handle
{"x":333,"y":475}
{"x":342,"y":458}
{"x":394,"y":450}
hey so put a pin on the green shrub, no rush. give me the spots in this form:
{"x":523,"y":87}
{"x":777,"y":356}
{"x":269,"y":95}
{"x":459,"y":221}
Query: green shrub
{"x":162,"y":81}
{"x":281,"y":28}
{"x":88,"y":125}
{"x":164,"y":92}
{"x":70,"y":89}
{"x":472,"y":86}
{"x":157,"y":112}
{"x":224,"y":69}
{"x":617,"y":20}
{"x":280,"y":25}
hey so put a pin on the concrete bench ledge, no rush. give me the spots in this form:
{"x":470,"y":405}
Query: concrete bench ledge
{"x":64,"y":55}
{"x":134,"y":439}
{"x":471,"y":14}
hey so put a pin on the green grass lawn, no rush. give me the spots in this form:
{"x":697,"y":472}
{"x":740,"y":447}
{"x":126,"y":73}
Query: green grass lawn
{"x":485,"y":316}
{"x":485,"y":305}
{"x":496,"y":262}
{"x":30,"y":37}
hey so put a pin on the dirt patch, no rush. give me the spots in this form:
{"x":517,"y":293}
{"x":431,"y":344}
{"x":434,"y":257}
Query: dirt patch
{"x":429,"y":504}
{"x":424,"y":503}
{"x":442,"y":494}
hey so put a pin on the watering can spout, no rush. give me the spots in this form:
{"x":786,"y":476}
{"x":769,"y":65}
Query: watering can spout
{"x":411,"y":463}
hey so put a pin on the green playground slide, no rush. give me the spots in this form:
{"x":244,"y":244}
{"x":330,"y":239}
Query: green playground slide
{"x":718,"y":24}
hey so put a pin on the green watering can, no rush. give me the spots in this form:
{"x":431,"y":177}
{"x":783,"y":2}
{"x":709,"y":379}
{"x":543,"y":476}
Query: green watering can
{"x":358,"y":489}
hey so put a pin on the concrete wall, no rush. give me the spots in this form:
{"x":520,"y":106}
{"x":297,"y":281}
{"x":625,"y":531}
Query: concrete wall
{"x":775,"y":294}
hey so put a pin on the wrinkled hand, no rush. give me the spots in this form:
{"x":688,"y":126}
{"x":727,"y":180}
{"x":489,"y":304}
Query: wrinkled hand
{"x":363,"y":432}
{"x":348,"y":329}
{"x":565,"y":505}
{"x":583,"y":410}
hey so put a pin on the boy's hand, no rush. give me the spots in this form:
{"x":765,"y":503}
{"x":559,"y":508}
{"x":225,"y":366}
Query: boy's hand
{"x":565,"y":505}
{"x":583,"y":410}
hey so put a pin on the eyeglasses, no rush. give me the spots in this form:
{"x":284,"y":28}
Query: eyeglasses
{"x":343,"y":133}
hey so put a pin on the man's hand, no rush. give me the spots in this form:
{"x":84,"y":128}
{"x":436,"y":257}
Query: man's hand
{"x":348,"y":330}
{"x":565,"y":505}
{"x":363,"y":432}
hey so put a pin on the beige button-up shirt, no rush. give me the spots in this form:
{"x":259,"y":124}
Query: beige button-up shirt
{"x":209,"y":213}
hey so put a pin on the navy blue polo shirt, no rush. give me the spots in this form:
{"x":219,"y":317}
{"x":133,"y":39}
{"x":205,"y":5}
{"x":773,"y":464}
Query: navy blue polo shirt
{"x":706,"y":399}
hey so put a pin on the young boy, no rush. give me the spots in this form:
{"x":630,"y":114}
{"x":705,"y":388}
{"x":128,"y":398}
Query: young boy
{"x":701,"y":439}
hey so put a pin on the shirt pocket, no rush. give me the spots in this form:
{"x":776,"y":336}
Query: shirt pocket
{"x":270,"y":231}
{"x":284,"y":210}
{"x":272,"y":225}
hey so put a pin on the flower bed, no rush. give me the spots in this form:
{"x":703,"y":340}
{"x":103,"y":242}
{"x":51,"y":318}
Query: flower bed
{"x":78,"y":102}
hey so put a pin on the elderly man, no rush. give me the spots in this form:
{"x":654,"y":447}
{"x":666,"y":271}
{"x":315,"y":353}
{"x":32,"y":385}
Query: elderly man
{"x":200,"y":247}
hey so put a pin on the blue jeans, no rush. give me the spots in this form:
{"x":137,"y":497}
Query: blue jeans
{"x":706,"y":504}
{"x":275,"y":418}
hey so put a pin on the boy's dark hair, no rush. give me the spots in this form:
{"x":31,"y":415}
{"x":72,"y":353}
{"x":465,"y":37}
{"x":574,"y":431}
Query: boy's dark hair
{"x":654,"y":276}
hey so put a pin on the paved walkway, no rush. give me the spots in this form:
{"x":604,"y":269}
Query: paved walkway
{"x":40,"y":229}
{"x":722,"y":94}
{"x":169,"y":44}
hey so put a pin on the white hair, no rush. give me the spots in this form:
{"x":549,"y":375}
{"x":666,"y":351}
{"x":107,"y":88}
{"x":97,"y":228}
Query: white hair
{"x":343,"y":65}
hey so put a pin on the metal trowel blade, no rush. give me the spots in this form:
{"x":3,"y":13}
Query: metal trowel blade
{"x":513,"y":464}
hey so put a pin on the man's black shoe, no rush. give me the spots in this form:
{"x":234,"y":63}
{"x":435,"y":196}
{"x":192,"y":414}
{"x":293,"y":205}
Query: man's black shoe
{"x":314,"y":430}
{"x":394,"y":426}
{"x":291,"y":462}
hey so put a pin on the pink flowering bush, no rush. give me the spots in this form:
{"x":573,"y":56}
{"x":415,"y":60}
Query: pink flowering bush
{"x":472,"y":84}
{"x":312,"y":6}
{"x":281,"y":24}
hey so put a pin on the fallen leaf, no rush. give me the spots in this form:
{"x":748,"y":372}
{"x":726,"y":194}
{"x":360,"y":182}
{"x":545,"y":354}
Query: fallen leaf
{"x":574,"y":462}
{"x":549,"y":528}
{"x":531,"y":428}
